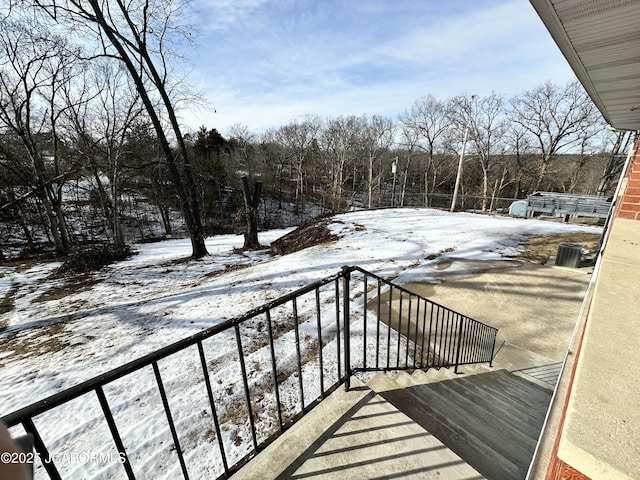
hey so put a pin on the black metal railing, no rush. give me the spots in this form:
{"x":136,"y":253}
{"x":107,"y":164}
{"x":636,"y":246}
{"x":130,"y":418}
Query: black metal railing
{"x":227,"y":392}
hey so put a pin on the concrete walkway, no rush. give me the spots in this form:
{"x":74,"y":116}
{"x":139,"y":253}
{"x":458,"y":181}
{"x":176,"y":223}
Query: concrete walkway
{"x":357,"y":434}
{"x":600,"y":434}
{"x":534,"y":306}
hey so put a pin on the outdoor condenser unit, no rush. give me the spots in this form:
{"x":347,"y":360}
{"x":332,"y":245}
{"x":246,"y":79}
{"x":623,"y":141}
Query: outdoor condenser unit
{"x":569,"y":255}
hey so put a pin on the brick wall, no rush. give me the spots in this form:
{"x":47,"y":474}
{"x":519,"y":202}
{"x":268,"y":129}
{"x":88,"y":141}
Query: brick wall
{"x":629,"y":202}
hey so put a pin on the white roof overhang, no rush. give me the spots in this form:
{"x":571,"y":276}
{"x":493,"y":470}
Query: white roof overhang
{"x":601,"y":41}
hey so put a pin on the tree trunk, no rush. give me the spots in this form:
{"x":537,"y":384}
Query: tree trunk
{"x":186,"y":192}
{"x":53,"y":226}
{"x":370,"y":180}
{"x":251,"y":203}
{"x":615,"y":164}
{"x":166,"y":219}
{"x":485,"y":185}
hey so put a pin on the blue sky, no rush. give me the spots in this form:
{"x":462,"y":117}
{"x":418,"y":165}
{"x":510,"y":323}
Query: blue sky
{"x":263,"y":63}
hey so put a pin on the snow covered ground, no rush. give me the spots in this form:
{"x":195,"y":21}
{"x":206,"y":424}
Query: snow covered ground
{"x":160,"y":296}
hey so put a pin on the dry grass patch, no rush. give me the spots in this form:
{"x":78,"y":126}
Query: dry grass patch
{"x":314,"y":232}
{"x":7,"y":304}
{"x":539,"y":249}
{"x":69,"y":287}
{"x":40,"y":341}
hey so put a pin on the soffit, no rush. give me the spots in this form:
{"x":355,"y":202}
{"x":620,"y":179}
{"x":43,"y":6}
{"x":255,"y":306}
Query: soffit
{"x":601,"y":41}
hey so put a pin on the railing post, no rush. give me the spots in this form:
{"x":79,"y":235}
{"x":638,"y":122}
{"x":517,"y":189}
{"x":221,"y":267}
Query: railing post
{"x":493,"y":348}
{"x":461,"y":322}
{"x":41,"y":449}
{"x":346,"y":277}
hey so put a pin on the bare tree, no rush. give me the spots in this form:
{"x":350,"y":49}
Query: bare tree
{"x":426,"y":121}
{"x":378,"y":136}
{"x":251,"y":203}
{"x":102,"y":124}
{"x":243,"y":143}
{"x":139,"y":34}
{"x":612,"y":170}
{"x":586,"y":153}
{"x":340,"y":141}
{"x":409,"y":142}
{"x":484,"y":118}
{"x":517,"y":145}
{"x":555,"y":117}
{"x":298,"y":137}
{"x":35,"y":70}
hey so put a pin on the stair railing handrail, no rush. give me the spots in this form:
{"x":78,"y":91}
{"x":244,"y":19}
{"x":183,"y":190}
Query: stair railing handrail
{"x":451,"y":341}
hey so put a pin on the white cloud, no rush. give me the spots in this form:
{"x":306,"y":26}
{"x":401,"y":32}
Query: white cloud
{"x":262,"y":63}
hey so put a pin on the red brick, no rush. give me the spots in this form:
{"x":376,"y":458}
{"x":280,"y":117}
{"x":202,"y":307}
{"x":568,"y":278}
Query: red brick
{"x":633,"y":183}
{"x":624,"y":214}
{"x":632,"y":199}
{"x":559,"y":470}
{"x":630,"y":207}
{"x":632,"y":191}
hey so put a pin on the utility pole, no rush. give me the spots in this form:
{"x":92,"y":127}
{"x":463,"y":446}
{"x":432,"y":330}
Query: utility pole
{"x":394,"y":171}
{"x":459,"y":174}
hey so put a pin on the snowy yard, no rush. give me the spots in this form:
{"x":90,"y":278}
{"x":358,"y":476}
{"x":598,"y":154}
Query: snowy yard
{"x":53,"y":341}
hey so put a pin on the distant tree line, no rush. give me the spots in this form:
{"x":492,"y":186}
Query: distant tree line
{"x":89,"y":135}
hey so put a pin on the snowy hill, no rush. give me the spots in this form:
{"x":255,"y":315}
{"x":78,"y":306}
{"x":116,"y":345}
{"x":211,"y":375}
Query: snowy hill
{"x":55,"y":336}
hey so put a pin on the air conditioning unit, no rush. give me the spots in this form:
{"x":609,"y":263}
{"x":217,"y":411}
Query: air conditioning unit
{"x":569,"y":255}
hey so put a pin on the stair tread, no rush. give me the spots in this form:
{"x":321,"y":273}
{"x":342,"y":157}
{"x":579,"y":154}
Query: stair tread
{"x":488,"y":428}
{"x":529,"y":387}
{"x":502,"y":406}
{"x":531,"y":394}
{"x":474,"y":451}
{"x":497,"y":434}
{"x":358,"y":434}
{"x":522,"y":404}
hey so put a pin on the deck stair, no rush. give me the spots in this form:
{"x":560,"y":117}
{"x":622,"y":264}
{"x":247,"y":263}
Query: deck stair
{"x":415,"y":425}
{"x":491,"y":420}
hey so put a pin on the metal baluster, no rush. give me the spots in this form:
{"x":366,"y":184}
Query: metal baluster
{"x":41,"y":449}
{"x":320,"y":346}
{"x":172,"y":427}
{"x":442,"y":325}
{"x":346,"y":277}
{"x":429,"y":348}
{"x":337,"y":291}
{"x":493,"y":347}
{"x":449,"y":338}
{"x":460,"y":326}
{"x":415,"y":337}
{"x":477,"y":347}
{"x":399,"y":331}
{"x":453,"y":332}
{"x":469,"y":340}
{"x":214,"y":413}
{"x":389,"y":328}
{"x":298,"y":354}
{"x":446,"y":337}
{"x":378,"y":326}
{"x":406,"y":359}
{"x":364,"y":335}
{"x":436,"y":340}
{"x":114,"y":432}
{"x":245,"y":382}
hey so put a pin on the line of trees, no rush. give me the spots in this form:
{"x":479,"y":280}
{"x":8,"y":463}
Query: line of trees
{"x":104,"y":113}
